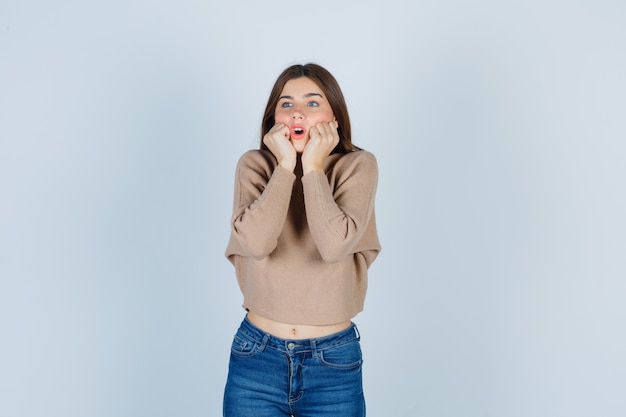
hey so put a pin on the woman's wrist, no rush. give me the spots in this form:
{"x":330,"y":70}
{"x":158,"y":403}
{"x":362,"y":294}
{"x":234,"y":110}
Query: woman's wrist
{"x":288,"y":164}
{"x":310,"y":167}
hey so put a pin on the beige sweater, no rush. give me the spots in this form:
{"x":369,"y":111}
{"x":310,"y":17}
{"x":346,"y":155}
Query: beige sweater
{"x":301,"y":245}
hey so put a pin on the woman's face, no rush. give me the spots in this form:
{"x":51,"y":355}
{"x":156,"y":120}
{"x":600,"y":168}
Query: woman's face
{"x":301,"y":106}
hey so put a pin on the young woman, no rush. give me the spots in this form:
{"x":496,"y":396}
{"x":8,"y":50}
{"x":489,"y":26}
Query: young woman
{"x":303,"y":235}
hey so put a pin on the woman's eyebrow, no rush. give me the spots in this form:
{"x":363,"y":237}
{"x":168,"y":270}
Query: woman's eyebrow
{"x":287,"y":97}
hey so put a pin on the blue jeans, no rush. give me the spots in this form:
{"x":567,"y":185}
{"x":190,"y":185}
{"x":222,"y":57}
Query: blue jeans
{"x":271,"y":377}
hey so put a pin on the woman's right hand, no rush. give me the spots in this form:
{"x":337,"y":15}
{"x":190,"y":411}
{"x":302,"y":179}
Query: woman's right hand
{"x":277,"y":141}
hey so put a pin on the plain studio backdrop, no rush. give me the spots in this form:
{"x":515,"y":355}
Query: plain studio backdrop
{"x":499,"y":128}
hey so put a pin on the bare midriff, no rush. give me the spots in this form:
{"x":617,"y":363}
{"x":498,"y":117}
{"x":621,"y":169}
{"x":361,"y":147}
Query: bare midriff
{"x":295,"y":331}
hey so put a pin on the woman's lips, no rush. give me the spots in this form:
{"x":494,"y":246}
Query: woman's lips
{"x":297,"y":132}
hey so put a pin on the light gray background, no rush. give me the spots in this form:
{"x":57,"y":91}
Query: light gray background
{"x":499,"y":127}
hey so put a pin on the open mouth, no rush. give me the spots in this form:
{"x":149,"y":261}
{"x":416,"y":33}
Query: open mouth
{"x":297,"y":132}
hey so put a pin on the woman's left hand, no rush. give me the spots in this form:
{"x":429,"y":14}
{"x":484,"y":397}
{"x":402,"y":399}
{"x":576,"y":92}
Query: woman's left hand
{"x":323,"y":138}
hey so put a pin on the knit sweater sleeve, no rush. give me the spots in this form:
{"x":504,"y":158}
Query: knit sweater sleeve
{"x":261,"y":201}
{"x":339,"y":207}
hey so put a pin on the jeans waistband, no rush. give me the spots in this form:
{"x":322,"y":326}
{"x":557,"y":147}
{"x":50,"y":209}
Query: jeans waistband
{"x":265,"y":339}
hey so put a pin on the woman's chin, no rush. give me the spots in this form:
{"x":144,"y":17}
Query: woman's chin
{"x":299,"y":145}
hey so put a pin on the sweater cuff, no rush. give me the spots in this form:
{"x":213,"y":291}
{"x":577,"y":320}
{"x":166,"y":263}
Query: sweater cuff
{"x":316,"y":182}
{"x":282,"y":177}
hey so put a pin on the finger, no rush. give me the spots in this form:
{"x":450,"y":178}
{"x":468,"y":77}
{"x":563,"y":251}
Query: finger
{"x":319,"y":128}
{"x":315,"y":132}
{"x":327,"y":129}
{"x":333,"y":125}
{"x":281,"y":130}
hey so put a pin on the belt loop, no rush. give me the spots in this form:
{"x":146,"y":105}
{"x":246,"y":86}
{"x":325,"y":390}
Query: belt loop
{"x":266,"y":337}
{"x":314,"y":352}
{"x":356,"y":332}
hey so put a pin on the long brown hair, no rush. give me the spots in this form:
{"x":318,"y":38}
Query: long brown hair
{"x":330,"y":88}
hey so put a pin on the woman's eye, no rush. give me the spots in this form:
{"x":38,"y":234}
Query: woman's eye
{"x":313,"y":104}
{"x":286,"y":104}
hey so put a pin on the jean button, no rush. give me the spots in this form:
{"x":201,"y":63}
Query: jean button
{"x":290,"y":346}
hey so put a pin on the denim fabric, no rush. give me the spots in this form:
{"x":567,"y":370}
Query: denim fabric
{"x":272,"y":377}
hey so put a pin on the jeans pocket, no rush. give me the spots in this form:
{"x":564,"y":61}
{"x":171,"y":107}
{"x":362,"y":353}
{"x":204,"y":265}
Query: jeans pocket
{"x":346,"y":356}
{"x":243,"y":346}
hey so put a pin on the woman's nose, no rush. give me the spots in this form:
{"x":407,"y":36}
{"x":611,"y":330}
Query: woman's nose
{"x":297,"y":114}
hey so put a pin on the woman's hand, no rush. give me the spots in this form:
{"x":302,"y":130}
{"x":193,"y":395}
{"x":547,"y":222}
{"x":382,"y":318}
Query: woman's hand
{"x":277,"y":140}
{"x":323,"y":138}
